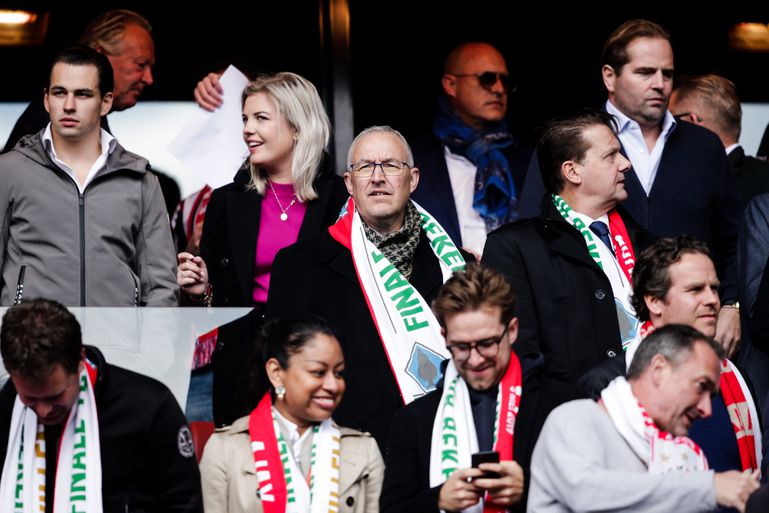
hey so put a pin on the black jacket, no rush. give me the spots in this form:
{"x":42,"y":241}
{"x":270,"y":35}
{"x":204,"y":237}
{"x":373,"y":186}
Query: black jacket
{"x":565,"y":304}
{"x":148,"y":464}
{"x":228,"y":246}
{"x":406,"y":486}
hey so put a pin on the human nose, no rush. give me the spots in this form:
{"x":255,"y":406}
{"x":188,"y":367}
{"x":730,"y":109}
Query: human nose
{"x":498,"y":87}
{"x":43,"y":409}
{"x":332,"y":382}
{"x":658,"y":80}
{"x":69,"y":103}
{"x":704,"y":407}
{"x":147,"y":77}
{"x":624,"y":164}
{"x":475,"y":357}
{"x":378,"y":174}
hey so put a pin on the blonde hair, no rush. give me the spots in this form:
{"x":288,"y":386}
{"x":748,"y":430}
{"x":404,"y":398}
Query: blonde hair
{"x":108,"y":30}
{"x":297,"y":100}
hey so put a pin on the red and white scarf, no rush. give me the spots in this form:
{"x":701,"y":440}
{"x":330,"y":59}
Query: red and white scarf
{"x":78,"y":469}
{"x":282,"y":487}
{"x":623,"y":258}
{"x":454,"y":437}
{"x":659,"y":450}
{"x":409,"y":331}
{"x":737,"y":398}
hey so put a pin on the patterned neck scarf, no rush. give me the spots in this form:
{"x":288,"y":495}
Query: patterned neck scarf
{"x":399,"y":247}
{"x":494,"y":196}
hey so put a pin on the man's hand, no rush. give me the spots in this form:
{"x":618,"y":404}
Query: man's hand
{"x":458,"y":493}
{"x":508,"y":488}
{"x":208,"y":92}
{"x":728,"y":330}
{"x":733,"y":488}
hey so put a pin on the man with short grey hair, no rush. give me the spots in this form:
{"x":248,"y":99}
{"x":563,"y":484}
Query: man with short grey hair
{"x":628,"y":451}
{"x":372,"y":276}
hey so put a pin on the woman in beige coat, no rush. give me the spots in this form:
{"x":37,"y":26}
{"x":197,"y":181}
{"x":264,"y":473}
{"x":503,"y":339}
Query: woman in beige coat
{"x":306,"y":463}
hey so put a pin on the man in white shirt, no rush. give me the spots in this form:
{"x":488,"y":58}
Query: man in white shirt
{"x":472,"y":167}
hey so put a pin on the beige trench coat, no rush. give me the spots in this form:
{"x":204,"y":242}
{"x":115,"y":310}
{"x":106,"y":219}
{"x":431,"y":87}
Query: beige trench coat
{"x":230,"y":483}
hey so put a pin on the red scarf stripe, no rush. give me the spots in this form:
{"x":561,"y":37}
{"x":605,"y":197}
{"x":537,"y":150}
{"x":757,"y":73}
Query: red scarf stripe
{"x":272,"y":485}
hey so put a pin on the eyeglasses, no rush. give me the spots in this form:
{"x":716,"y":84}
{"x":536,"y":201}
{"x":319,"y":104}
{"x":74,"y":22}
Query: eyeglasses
{"x":487,"y":348}
{"x":488,"y":79}
{"x":364,"y":169}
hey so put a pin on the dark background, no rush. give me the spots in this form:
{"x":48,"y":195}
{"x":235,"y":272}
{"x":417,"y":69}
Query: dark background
{"x":398,"y":47}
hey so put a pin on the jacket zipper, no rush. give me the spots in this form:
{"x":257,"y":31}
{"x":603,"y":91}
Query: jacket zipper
{"x":136,"y":290}
{"x":82,"y":246}
{"x":20,"y":286}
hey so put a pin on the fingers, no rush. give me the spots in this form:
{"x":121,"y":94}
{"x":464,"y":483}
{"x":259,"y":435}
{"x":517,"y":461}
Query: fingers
{"x":208,"y":93}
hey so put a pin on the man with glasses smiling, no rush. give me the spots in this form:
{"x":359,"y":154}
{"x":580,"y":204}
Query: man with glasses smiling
{"x":432,"y":439}
{"x":372,"y":276}
{"x":472,"y":167}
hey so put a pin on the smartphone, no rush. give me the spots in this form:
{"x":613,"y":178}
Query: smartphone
{"x":486,"y":457}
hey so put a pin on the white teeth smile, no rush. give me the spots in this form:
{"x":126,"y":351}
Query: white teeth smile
{"x":327,"y":401}
{"x":254,"y":144}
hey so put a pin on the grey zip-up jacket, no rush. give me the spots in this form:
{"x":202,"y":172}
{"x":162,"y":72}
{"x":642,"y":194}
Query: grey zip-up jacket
{"x":110,"y":246}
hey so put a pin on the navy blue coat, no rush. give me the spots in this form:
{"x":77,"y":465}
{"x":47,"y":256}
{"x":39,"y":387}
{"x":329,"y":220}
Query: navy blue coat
{"x":434,"y":192}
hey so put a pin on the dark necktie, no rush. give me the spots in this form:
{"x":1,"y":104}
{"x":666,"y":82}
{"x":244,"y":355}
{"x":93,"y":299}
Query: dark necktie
{"x":600,"y":229}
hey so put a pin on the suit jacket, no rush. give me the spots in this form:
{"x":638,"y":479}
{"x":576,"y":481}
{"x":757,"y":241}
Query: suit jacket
{"x":693,"y":193}
{"x":434,"y":191}
{"x":407,"y":471}
{"x":230,"y":482}
{"x":565,"y":304}
{"x":751,"y":175}
{"x":318,"y":276}
{"x":228,"y":246}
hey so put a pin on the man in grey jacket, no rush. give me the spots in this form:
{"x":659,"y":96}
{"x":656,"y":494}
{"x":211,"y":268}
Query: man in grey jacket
{"x":629,"y":450}
{"x":84,"y":222}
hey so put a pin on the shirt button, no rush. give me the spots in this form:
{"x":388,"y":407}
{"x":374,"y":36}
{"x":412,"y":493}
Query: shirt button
{"x":610,"y":353}
{"x":350,"y":501}
{"x":224,"y":262}
{"x":600,"y":294}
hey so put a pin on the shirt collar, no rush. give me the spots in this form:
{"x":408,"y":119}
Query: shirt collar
{"x":106,"y":141}
{"x":625,"y":123}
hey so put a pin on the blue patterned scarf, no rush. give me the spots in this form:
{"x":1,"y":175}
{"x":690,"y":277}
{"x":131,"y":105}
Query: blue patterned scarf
{"x":494,"y":195}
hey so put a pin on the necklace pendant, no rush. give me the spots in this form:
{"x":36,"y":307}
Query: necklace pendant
{"x":283,"y":216}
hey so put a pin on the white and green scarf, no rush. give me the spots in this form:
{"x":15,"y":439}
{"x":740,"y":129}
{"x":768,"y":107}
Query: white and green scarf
{"x":409,"y":331}
{"x":78,"y":471}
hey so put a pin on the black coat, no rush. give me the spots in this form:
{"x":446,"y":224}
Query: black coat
{"x":148,"y":463}
{"x":434,"y":192}
{"x":318,"y":276}
{"x":228,"y":246}
{"x":406,"y":486}
{"x":751,"y":175}
{"x":565,"y":304}
{"x":693,"y":194}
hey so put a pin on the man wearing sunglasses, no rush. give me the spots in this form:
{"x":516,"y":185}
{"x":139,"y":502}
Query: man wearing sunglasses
{"x":429,"y":456}
{"x":472,"y":167}
{"x":680,"y":182}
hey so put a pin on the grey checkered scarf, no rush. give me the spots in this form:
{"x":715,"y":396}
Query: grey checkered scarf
{"x":399,"y":247}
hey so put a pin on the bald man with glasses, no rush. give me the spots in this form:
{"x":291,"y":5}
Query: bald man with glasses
{"x":472,"y":166}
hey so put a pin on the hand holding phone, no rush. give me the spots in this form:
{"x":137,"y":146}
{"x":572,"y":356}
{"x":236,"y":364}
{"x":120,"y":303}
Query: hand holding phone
{"x":486,"y":457}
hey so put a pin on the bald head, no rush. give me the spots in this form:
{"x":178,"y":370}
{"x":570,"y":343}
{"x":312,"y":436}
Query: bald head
{"x":473,"y":80}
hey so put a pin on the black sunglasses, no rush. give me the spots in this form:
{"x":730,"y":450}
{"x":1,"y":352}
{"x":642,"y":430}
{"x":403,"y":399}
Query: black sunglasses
{"x":488,"y":79}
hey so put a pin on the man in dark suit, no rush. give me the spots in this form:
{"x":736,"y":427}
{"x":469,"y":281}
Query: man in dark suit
{"x":680,"y":182}
{"x":711,"y":101}
{"x":571,"y":266}
{"x":372,"y":275}
{"x":432,"y":439}
{"x":472,"y":167}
